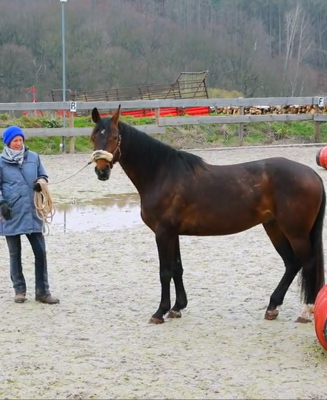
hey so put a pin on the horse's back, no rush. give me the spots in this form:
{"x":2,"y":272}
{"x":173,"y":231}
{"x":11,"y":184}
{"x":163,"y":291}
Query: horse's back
{"x":290,"y":172}
{"x":274,"y":165}
{"x":287,"y":178}
{"x":280,"y":169}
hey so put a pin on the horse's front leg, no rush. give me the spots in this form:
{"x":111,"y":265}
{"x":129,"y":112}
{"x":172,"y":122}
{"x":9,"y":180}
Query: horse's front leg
{"x":181,"y":298}
{"x":166,"y":250}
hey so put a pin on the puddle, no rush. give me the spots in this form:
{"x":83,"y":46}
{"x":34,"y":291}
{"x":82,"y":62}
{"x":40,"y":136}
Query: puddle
{"x":106,"y":214}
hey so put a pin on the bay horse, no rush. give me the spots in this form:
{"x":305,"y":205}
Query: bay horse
{"x":181,"y":194}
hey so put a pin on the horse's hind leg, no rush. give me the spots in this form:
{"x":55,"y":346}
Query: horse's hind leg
{"x":181,"y":298}
{"x":292,"y":266}
{"x":302,"y":247}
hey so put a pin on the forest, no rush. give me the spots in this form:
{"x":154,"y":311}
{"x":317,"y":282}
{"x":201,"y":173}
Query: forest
{"x":260,"y":48}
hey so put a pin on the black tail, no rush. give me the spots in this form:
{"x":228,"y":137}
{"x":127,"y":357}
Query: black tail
{"x":313,"y":278}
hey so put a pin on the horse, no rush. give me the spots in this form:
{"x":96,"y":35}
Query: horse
{"x":181,"y":194}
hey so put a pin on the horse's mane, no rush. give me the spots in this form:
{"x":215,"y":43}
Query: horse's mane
{"x":152,"y":150}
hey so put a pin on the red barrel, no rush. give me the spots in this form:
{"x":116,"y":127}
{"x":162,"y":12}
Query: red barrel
{"x":321,"y":157}
{"x":320,"y":316}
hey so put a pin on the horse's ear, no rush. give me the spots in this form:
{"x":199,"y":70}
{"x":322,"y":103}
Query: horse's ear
{"x":116,"y":116}
{"x":95,"y":115}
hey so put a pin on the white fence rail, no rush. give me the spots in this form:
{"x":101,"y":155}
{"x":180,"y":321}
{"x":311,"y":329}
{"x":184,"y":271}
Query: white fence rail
{"x":137,"y":104}
{"x":317,"y":104}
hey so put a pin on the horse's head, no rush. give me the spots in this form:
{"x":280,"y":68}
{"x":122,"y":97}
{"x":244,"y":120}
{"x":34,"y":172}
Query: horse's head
{"x":106,"y":143}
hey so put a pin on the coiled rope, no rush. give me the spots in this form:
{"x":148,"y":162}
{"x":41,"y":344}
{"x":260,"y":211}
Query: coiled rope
{"x":44,"y":206}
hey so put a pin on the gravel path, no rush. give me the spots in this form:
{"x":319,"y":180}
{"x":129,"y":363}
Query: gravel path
{"x":98,"y":344}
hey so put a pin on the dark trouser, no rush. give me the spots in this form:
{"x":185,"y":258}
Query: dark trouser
{"x":16,"y":269}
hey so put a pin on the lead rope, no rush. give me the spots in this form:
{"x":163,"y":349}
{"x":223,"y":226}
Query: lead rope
{"x":44,"y":206}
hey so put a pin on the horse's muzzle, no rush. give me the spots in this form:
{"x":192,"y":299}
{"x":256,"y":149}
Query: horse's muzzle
{"x":103,"y":174}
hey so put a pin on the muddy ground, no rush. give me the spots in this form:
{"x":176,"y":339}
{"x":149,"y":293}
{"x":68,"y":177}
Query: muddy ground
{"x":98,"y":344}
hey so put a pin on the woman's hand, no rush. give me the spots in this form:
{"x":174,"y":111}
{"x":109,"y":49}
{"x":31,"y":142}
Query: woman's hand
{"x":5,"y":210}
{"x":37,"y":187}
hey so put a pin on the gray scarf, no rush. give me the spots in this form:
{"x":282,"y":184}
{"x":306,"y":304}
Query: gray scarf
{"x":14,"y":155}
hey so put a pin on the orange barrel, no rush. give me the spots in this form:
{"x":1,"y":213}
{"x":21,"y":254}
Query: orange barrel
{"x":320,"y":316}
{"x":321,"y":157}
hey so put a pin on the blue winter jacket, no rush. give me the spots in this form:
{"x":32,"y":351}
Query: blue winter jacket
{"x":16,"y":188}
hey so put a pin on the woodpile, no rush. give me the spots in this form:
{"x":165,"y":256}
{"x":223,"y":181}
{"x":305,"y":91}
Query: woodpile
{"x":262,"y":110}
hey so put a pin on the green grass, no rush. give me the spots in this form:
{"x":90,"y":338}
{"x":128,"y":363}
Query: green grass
{"x":51,"y":144}
{"x":186,"y":136}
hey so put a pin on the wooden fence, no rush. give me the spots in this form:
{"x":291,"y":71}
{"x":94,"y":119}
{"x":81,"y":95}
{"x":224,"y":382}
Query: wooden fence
{"x":287,"y":105}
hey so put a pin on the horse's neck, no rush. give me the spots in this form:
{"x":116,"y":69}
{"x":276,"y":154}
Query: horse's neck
{"x":133,"y":178}
{"x":134,"y":163}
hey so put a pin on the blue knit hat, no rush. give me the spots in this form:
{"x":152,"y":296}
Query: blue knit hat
{"x":10,"y":133}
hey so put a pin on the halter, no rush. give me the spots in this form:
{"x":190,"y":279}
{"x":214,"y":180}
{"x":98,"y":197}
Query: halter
{"x":118,"y":151}
{"x":105,"y":155}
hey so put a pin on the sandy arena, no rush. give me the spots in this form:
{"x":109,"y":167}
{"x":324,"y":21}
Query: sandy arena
{"x":98,"y":344}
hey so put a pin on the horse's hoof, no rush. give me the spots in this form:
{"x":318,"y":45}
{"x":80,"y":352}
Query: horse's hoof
{"x":306,"y":314}
{"x":303,"y":320}
{"x":156,"y":321}
{"x":174,"y":314}
{"x":271,"y":315}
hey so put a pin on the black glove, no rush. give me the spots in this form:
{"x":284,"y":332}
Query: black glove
{"x":37,"y":187}
{"x":5,"y":210}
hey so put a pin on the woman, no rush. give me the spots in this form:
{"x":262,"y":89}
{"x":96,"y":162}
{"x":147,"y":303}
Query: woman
{"x":20,"y":169}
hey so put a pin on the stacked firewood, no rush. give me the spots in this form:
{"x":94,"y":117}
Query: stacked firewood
{"x":261,"y":110}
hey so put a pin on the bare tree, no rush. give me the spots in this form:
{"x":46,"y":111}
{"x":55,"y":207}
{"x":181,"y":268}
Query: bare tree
{"x":16,"y":66}
{"x":299,"y":45}
{"x":243,"y":48}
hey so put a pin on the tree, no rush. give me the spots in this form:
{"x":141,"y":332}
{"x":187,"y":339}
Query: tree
{"x":16,"y":66}
{"x":299,"y":45}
